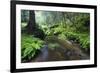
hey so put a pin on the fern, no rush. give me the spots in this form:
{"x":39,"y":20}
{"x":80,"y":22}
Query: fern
{"x":29,"y":46}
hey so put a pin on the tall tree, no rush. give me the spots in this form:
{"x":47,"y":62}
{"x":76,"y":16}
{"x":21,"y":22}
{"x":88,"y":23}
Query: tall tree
{"x":32,"y":27}
{"x":31,"y":24}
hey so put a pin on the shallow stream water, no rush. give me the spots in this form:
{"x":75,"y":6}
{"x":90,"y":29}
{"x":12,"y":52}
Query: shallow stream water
{"x":58,"y":54}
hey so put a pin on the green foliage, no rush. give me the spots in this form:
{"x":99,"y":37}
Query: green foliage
{"x":23,"y":24}
{"x":67,"y":32}
{"x":82,"y":22}
{"x":64,"y":25}
{"x":62,"y":36}
{"x":29,"y":46}
{"x":82,"y":38}
{"x":85,"y":41}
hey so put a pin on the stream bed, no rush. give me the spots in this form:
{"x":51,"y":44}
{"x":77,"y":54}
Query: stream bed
{"x":59,"y":54}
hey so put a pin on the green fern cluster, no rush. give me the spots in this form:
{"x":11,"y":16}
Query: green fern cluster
{"x":29,"y":46}
{"x":82,"y":38}
{"x":85,"y":41}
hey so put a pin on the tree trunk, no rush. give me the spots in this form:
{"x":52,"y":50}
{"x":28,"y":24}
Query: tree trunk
{"x":31,"y":24}
{"x":32,"y":28}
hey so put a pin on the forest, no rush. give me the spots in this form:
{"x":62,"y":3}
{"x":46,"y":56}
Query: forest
{"x":54,"y":36}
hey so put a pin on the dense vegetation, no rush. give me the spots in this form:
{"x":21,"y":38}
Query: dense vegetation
{"x":71,"y":26}
{"x":29,"y":46}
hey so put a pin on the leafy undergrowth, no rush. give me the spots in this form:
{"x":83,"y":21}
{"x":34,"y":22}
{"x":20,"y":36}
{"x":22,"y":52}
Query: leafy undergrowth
{"x":29,"y":46}
{"x":82,"y":38}
{"x":70,"y":33}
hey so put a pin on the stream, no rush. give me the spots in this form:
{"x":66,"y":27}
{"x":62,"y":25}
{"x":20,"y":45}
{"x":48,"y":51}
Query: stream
{"x":59,"y":54}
